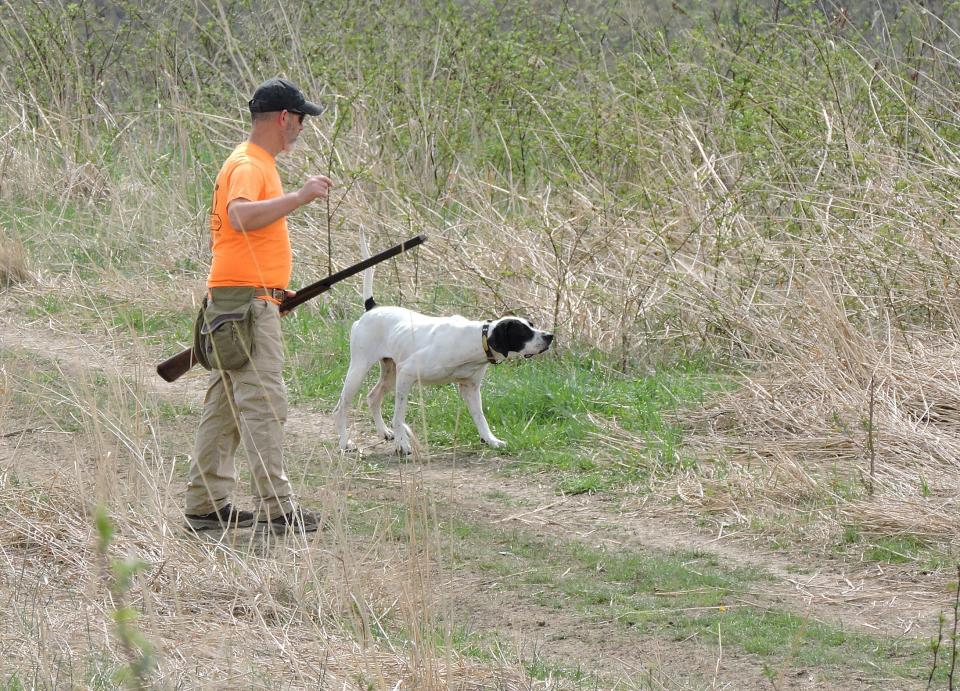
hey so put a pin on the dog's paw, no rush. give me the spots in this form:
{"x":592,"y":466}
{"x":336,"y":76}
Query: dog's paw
{"x":494,"y":442}
{"x":387,"y":434}
{"x":402,"y":449}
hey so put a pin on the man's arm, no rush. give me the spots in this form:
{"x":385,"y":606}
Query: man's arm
{"x":246,"y":215}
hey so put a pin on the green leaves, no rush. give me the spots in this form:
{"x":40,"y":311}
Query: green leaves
{"x":105,"y":529}
{"x":120,"y":574}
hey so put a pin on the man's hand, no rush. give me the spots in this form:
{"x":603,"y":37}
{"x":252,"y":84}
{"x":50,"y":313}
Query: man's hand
{"x":316,"y":187}
{"x":290,"y":294}
{"x":246,"y":215}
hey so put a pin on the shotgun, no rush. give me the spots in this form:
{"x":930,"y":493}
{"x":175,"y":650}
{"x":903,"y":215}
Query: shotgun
{"x":175,"y":367}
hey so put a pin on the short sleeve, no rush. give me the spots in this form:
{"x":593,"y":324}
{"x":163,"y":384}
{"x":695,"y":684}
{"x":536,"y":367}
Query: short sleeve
{"x":247,"y":182}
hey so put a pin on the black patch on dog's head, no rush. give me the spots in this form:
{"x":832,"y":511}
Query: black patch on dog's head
{"x":369,"y":304}
{"x":509,"y":335}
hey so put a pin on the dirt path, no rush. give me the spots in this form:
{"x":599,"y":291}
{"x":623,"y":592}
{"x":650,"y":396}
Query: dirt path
{"x":884,"y":600}
{"x":888,"y":601}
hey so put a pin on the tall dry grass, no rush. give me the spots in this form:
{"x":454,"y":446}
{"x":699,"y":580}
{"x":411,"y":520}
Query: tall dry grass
{"x":814,"y":256}
{"x":13,"y":262}
{"x":240,"y":610}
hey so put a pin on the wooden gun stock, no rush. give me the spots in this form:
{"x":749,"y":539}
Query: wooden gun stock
{"x":175,"y":367}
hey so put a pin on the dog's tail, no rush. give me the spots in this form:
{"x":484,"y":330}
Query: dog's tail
{"x":368,"y":302}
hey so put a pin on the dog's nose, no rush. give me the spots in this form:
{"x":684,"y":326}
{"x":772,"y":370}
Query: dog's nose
{"x":548,"y":338}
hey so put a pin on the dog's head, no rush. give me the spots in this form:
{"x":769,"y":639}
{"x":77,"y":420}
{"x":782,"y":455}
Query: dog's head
{"x":516,"y":336}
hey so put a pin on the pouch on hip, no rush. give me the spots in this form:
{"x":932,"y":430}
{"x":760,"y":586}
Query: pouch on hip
{"x":223,"y":330}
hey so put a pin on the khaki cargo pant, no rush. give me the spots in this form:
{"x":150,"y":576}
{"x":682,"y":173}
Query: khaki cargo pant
{"x":249,"y":403}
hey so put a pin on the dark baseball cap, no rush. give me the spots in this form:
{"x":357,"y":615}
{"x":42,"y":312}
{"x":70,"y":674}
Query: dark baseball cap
{"x":278,"y":94}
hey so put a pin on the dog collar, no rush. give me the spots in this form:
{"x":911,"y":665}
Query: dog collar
{"x":487,"y":350}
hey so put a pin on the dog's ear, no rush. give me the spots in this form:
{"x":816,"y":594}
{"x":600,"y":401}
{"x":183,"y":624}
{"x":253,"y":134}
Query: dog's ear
{"x":509,"y":335}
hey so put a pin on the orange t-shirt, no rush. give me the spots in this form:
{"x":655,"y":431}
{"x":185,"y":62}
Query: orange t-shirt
{"x":260,"y":257}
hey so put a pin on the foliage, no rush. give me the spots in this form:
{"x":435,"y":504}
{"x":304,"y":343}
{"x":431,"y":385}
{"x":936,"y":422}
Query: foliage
{"x":595,"y":136}
{"x":120,"y":574}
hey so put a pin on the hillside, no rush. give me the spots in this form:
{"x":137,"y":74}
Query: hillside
{"x":736,"y":469}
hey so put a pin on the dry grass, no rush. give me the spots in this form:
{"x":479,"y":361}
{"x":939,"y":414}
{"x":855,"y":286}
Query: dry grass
{"x":860,"y":436}
{"x":13,"y":261}
{"x":239,"y":611}
{"x":340,"y":609}
{"x":328,"y":611}
{"x":830,"y":286}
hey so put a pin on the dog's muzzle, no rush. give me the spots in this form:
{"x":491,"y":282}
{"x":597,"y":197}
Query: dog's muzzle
{"x":547,"y":340}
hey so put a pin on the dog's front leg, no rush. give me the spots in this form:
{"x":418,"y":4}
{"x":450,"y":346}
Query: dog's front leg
{"x":470,"y":393}
{"x":351,"y":385}
{"x":401,"y":433}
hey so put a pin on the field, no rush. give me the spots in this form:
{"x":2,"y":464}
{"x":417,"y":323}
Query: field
{"x":737,"y":469}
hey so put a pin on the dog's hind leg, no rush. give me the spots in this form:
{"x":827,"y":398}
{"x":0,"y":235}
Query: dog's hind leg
{"x":470,"y":393}
{"x":351,"y":385}
{"x":386,"y":383}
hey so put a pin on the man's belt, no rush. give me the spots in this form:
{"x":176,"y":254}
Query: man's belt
{"x":277,"y":294}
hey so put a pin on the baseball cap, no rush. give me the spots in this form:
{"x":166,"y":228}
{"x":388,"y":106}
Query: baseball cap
{"x":278,"y":94}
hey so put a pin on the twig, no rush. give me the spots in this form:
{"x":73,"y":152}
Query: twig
{"x":953,"y":640}
{"x":716,"y":670}
{"x":870,"y":447}
{"x":936,"y":650}
{"x":527,"y":513}
{"x":25,"y":430}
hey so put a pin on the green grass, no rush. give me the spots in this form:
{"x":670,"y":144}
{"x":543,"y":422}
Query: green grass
{"x":906,"y":549}
{"x":13,"y":683}
{"x":554,"y":411}
{"x":896,"y":549}
{"x":160,"y":326}
{"x":680,"y":595}
{"x":673,"y":595}
{"x":91,"y":313}
{"x":46,"y":305}
{"x":170,"y":412}
{"x":318,"y":352}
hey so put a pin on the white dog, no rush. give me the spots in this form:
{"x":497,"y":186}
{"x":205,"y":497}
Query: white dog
{"x":414,"y":348}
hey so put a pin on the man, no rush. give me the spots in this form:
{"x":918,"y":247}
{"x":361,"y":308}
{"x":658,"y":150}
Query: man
{"x":252,"y":258}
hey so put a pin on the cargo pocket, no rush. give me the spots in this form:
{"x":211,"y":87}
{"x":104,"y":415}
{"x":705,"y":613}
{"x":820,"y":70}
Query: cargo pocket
{"x":225,"y":332}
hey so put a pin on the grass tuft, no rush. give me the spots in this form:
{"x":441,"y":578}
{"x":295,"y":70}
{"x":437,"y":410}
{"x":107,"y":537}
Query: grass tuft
{"x":13,"y":261}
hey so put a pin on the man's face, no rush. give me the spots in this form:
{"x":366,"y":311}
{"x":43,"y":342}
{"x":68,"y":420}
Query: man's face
{"x":292,"y":126}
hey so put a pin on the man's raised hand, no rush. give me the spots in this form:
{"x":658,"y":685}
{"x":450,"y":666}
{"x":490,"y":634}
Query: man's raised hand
{"x":316,"y":187}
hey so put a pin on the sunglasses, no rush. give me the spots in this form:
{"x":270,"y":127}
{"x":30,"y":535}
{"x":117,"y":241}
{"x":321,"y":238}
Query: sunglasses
{"x":298,"y":114}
